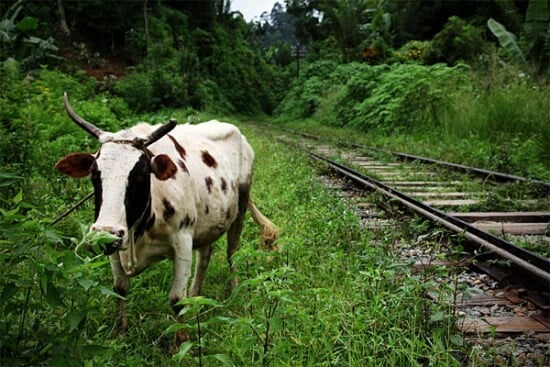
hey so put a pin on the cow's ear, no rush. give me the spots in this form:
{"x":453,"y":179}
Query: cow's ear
{"x":163,"y":167}
{"x":76,"y":165}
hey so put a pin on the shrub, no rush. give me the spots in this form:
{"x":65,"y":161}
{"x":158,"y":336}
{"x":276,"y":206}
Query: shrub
{"x":360,"y":81}
{"x":457,"y":41}
{"x":150,"y":89}
{"x":243,"y":76}
{"x":303,"y":100}
{"x":365,"y":96}
{"x":17,"y":43}
{"x":412,"y":51}
{"x":397,"y":96}
{"x":307,"y":92}
{"x":209,"y":96}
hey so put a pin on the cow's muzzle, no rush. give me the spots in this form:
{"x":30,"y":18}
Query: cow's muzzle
{"x":110,"y":247}
{"x":107,"y":249}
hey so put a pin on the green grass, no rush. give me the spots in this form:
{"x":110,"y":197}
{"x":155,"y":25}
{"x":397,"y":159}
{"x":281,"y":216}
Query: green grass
{"x":333,"y":296}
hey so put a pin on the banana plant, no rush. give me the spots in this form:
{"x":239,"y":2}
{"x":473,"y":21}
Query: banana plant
{"x":535,"y":37}
{"x":507,"y":40}
{"x":16,"y":43}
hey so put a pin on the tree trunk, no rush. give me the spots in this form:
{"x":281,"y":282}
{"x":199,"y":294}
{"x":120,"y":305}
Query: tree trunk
{"x":146,"y":25}
{"x":62,"y":19}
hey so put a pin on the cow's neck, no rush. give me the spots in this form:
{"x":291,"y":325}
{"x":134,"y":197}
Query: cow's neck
{"x":142,"y":223}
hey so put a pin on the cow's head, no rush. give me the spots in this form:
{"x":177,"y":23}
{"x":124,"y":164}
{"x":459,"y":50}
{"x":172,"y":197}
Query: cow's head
{"x":121,"y":175}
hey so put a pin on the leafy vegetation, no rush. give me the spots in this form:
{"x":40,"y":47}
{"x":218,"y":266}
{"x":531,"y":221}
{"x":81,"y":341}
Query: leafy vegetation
{"x":17,"y":44}
{"x":307,"y":305}
{"x":422,"y":77}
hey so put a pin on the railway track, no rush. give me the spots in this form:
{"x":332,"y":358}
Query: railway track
{"x":505,"y":295}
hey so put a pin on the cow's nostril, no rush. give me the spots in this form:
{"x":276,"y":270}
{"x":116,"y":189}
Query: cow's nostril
{"x":119,"y":233}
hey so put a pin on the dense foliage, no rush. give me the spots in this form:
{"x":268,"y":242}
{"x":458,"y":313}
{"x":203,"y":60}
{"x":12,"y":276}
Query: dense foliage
{"x":57,"y":306}
{"x":364,"y":96}
{"x":169,"y":54}
{"x":501,"y":113}
{"x":466,"y":83}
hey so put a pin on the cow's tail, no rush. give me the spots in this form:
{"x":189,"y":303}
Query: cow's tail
{"x":270,"y":232}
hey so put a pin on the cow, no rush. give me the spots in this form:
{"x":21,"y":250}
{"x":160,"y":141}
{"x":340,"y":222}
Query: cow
{"x":165,"y":191}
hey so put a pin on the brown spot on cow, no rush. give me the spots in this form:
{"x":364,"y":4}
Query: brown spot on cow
{"x":208,"y":159}
{"x":163,"y":167}
{"x":179,"y":148}
{"x":206,"y":210}
{"x":168,"y":209}
{"x":224,"y":185}
{"x":187,"y":221}
{"x":183,"y":167}
{"x":209,"y":183}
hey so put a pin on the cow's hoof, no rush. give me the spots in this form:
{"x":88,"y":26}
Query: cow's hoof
{"x":180,"y":338}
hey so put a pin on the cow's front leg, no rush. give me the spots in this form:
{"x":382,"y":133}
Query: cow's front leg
{"x":183,"y":252}
{"x":202,"y":260}
{"x":121,"y":286}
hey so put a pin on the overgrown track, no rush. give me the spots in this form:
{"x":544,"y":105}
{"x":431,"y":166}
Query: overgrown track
{"x":523,"y":276}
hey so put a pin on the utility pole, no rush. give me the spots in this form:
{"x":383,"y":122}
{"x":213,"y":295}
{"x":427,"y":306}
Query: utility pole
{"x":299,"y":52}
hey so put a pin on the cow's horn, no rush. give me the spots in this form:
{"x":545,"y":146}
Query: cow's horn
{"x":157,"y":134}
{"x":90,"y":128}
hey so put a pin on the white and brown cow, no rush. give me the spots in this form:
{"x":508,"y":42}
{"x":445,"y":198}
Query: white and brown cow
{"x":165,"y":191}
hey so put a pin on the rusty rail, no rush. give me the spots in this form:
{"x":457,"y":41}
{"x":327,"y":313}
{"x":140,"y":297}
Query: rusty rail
{"x":529,"y":263}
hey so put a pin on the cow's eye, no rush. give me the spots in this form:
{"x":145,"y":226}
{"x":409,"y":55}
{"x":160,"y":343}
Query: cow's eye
{"x":95,"y":173}
{"x":140,"y":177}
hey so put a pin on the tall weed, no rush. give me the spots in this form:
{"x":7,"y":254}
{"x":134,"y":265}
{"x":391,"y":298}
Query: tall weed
{"x":408,"y":94}
{"x":512,"y":122}
{"x":362,"y":96}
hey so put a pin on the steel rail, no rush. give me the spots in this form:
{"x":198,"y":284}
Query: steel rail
{"x":529,"y":262}
{"x":479,"y":171}
{"x":492,"y":174}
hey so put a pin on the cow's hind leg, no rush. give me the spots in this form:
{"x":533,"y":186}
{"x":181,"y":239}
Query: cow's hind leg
{"x":201,"y":264}
{"x":121,"y":286}
{"x":234,"y":233}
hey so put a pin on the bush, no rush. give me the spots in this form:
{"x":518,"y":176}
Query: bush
{"x":159,"y":82}
{"x":303,"y":99}
{"x":364,"y":96}
{"x":307,"y":93}
{"x":360,"y":81}
{"x":247,"y":82}
{"x":407,"y":95}
{"x":19,"y":42}
{"x":458,"y":41}
{"x":209,"y":96}
{"x":412,"y":51}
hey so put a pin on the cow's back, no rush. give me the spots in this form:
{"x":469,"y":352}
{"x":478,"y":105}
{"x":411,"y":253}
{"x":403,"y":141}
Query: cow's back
{"x":214,"y":163}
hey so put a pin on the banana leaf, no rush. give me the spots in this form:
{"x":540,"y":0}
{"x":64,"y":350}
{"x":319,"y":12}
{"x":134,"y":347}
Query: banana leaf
{"x":507,"y":40}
